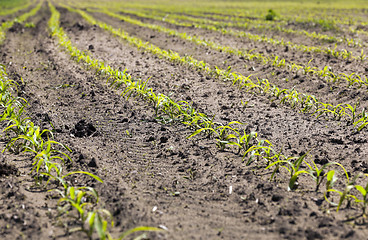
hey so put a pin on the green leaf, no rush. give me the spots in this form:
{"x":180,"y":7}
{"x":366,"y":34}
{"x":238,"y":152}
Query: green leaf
{"x":80,"y":195}
{"x":138,"y":229}
{"x":231,"y":136}
{"x":299,"y":161}
{"x":72,"y":192}
{"x":82,"y":172}
{"x":91,"y":191}
{"x":91,"y":219}
{"x":99,"y":227}
{"x":199,"y":131}
{"x":77,"y":206}
{"x":294,"y":178}
{"x":235,"y":122}
{"x":330,"y":176}
{"x":361,"y":190}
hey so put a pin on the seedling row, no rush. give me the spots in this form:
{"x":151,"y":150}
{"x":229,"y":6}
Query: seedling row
{"x":303,"y":102}
{"x":287,"y":170}
{"x":226,"y":136}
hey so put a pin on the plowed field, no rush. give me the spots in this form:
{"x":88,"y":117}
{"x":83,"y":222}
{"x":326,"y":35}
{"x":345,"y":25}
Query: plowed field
{"x":277,"y":99}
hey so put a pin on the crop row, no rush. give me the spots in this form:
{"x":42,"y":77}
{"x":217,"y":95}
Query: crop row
{"x":8,"y":24}
{"x":48,"y":164}
{"x":8,"y":11}
{"x":339,"y":25}
{"x":49,"y":159}
{"x":327,"y":23}
{"x":352,"y":79}
{"x":247,"y":23}
{"x":193,"y":18}
{"x":256,"y":20}
{"x":254,"y":150}
{"x":303,"y":102}
{"x":221,"y":27}
{"x":326,"y":19}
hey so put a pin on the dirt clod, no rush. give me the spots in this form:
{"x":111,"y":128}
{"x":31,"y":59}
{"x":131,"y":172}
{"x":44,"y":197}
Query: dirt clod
{"x":84,"y":129}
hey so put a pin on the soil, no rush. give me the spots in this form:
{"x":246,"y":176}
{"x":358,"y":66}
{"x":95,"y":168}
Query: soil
{"x":280,"y":76}
{"x":153,"y":175}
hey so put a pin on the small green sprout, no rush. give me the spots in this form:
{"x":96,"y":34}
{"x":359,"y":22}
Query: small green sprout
{"x":29,"y":25}
{"x":292,"y":165}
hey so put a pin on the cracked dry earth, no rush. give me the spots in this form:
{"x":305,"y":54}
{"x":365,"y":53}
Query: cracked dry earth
{"x":153,"y":175}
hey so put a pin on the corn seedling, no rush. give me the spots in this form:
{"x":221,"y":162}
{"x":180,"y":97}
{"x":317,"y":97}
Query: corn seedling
{"x":362,"y":201}
{"x":344,"y":195}
{"x":84,"y":200}
{"x":362,"y":121}
{"x":224,"y":135}
{"x":318,"y":174}
{"x":259,"y":150}
{"x":246,"y":141}
{"x":292,"y":167}
{"x":353,"y":114}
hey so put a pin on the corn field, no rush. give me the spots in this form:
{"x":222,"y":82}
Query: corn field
{"x":183,"y":119}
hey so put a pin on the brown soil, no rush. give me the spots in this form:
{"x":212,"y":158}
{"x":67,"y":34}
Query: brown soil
{"x":153,"y":175}
{"x":279,"y":76}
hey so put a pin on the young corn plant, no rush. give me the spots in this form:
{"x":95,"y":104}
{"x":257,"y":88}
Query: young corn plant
{"x":307,"y":103}
{"x":330,"y":111}
{"x":344,"y":195}
{"x":362,"y":56}
{"x":246,"y":141}
{"x":363,"y":201}
{"x":29,"y":135}
{"x":84,"y":200}
{"x":353,"y":112}
{"x":262,"y":149}
{"x":318,"y":174}
{"x":16,"y":123}
{"x":307,"y":68}
{"x":47,"y":155}
{"x":362,"y":121}
{"x":291,"y":97}
{"x":331,"y":178}
{"x":292,"y":165}
{"x":224,"y":135}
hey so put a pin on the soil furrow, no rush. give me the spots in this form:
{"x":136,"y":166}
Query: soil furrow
{"x":277,"y":35}
{"x":102,"y":45}
{"x":152,"y":174}
{"x":209,"y":99}
{"x":325,"y":92}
